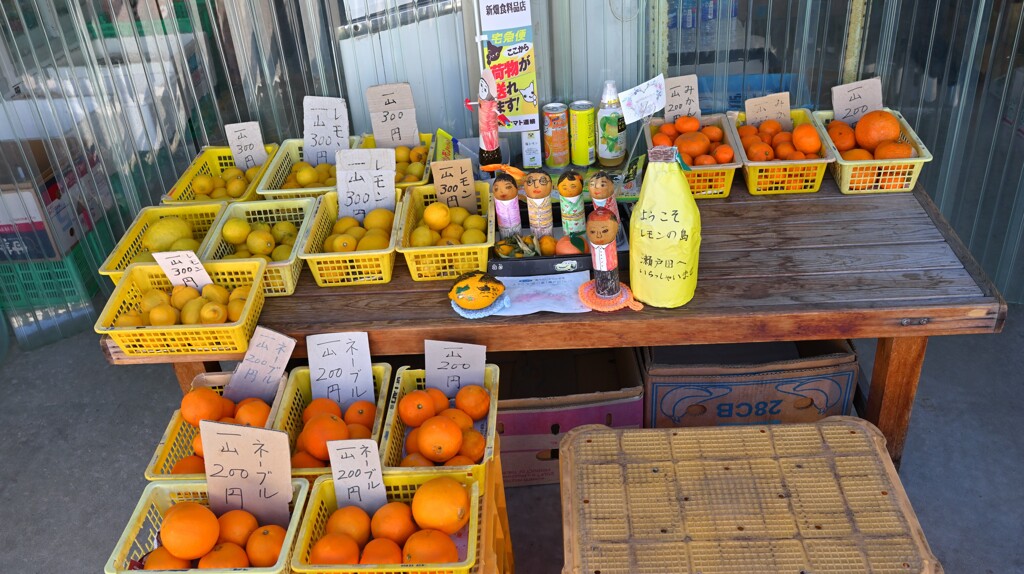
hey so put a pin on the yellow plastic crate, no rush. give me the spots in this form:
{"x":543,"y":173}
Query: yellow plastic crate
{"x":140,"y":537}
{"x":202,"y":216}
{"x":399,"y":488}
{"x":281,"y":277}
{"x":184,"y":339}
{"x":875,"y":176}
{"x":425,"y":139}
{"x":176,"y":443}
{"x":392,"y":442}
{"x":279,"y":168}
{"x":710,"y":181}
{"x":777,"y":177}
{"x":353,"y":267}
{"x":439,"y":263}
{"x":819,"y":497}
{"x":213,"y":161}
{"x":298,"y":394}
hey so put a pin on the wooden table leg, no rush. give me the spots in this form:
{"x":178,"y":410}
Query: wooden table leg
{"x":188,"y":371}
{"x":893,"y":386}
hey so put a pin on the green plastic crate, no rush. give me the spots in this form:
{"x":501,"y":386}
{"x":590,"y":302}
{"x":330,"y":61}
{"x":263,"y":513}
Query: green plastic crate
{"x":37,"y":284}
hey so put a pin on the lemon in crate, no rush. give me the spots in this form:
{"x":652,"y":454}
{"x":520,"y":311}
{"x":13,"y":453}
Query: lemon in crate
{"x":213,"y":176}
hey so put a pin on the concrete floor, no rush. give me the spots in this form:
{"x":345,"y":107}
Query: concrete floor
{"x":79,"y":434}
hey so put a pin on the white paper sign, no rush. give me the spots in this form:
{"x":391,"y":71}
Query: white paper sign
{"x":504,"y":14}
{"x":183,"y":268}
{"x":340,"y":368}
{"x":262,"y":367}
{"x":682,"y":97}
{"x":450,"y":365}
{"x":366,"y":181}
{"x":531,"y":149}
{"x":853,"y":100}
{"x":324,"y":128}
{"x":248,"y":468}
{"x":770,"y":107}
{"x":644,"y":100}
{"x":246,"y":142}
{"x":355,"y":466}
{"x":393,"y":115}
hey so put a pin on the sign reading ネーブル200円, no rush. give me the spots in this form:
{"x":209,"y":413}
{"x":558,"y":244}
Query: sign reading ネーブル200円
{"x":507,"y":51}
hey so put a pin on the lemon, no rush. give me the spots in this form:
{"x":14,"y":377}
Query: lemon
{"x":153,"y":298}
{"x":239,"y":293}
{"x":401,"y":167}
{"x":236,"y":187}
{"x":163,"y":315}
{"x":399,"y":176}
{"x":281,"y":253}
{"x":323,"y":171}
{"x":235,"y":309}
{"x":202,"y":185}
{"x":453,"y":231}
{"x":231,"y":173}
{"x":260,"y":242}
{"x":473,"y":236}
{"x":129,"y":319}
{"x":288,"y":240}
{"x":190,"y":312}
{"x":143,"y":257}
{"x":307,"y":176}
{"x":235,"y":230}
{"x":418,"y":153}
{"x":328,"y":245}
{"x":478,"y":222}
{"x":344,"y":223}
{"x":185,"y":244}
{"x":182,"y":294}
{"x":261,"y":226}
{"x":402,"y":154}
{"x":213,"y":313}
{"x":282,"y":229}
{"x":444,"y":242}
{"x":357,"y":232}
{"x":250,"y":174}
{"x":437,"y":216}
{"x":379,"y":218}
{"x":420,"y":237}
{"x":375,"y":231}
{"x":218,"y":182}
{"x":216,"y":293}
{"x":242,"y":253}
{"x":434,"y":236}
{"x":330,"y":182}
{"x":372,"y":243}
{"x":300,"y":165}
{"x":163,"y":233}
{"x":416,"y":168}
{"x":458,"y":214}
{"x":290,"y":178}
{"x":219,"y":193}
{"x":344,"y":243}
{"x":409,"y":178}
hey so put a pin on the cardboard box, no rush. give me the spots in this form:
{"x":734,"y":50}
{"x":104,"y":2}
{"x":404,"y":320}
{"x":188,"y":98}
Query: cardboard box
{"x":545,"y":394}
{"x":754,"y":383}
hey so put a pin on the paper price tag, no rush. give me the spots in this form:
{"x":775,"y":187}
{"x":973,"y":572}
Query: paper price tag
{"x":248,"y":468}
{"x":644,"y":100}
{"x":453,"y":181}
{"x":183,"y":268}
{"x":531,"y":149}
{"x":450,"y":365}
{"x":262,"y":367}
{"x":324,"y":128}
{"x":853,"y":100}
{"x":246,"y":142}
{"x":393,"y":115}
{"x":444,"y":145}
{"x":770,"y":107}
{"x":340,"y":367}
{"x":682,"y":97}
{"x":366,"y":181}
{"x":355,"y":466}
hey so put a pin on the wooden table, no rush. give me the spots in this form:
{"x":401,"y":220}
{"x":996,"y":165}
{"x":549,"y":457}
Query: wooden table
{"x":777,"y":268}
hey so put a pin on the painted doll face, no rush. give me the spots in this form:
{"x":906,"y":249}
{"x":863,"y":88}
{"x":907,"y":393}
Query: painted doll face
{"x":602,"y":232}
{"x":483,"y":92}
{"x":504,"y":190}
{"x":537,"y":185}
{"x":601,"y":187}
{"x":571,"y":186}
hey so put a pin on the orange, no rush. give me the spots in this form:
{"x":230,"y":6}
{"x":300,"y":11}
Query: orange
{"x":415,"y":459}
{"x":303,"y":459}
{"x":893,"y":150}
{"x":473,"y":400}
{"x":439,"y":439}
{"x":723,"y":154}
{"x":686,"y":159}
{"x":189,"y":530}
{"x":459,"y":460}
{"x":837,"y":124}
{"x":795,"y":156}
{"x":693,"y":144}
{"x":318,"y":431}
{"x":669,"y":129}
{"x":411,"y":446}
{"x":704,"y":160}
{"x":228,"y":420}
{"x":227,"y":407}
{"x":760,"y":152}
{"x":473,"y":445}
{"x":201,"y":404}
{"x":783,"y":149}
{"x":253,"y":414}
{"x":226,"y":555}
{"x":334,"y":549}
{"x":189,"y":465}
{"x":747,"y":130}
{"x":320,"y":406}
{"x":876,"y":127}
{"x":416,"y":407}
{"x":842,"y":137}
{"x":161,"y":559}
{"x":861,"y":177}
{"x":358,"y":431}
{"x":781,"y":137}
{"x":770,"y":127}
{"x":805,"y":139}
{"x":381,"y":551}
{"x":351,"y":520}
{"x":748,"y":141}
{"x":361,"y":412}
{"x":661,"y":140}
{"x":430,"y":547}
{"x":236,"y":526}
{"x":264,"y":545}
{"x":441,"y":401}
{"x":687,"y":124}
{"x":442,"y":504}
{"x":857,"y":154}
{"x":394,"y":522}
{"x":714,"y":133}
{"x":197,"y":444}
{"x":766,"y":137}
{"x":458,"y":417}
{"x":713,"y":147}
{"x":239,"y":404}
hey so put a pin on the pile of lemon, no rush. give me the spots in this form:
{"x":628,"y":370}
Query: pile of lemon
{"x":186,"y":306}
{"x":167,"y":234}
{"x":442,"y":225}
{"x":259,"y":239}
{"x":410,"y":163}
{"x":231,"y":183}
{"x":304,"y":175}
{"x":370,"y":234}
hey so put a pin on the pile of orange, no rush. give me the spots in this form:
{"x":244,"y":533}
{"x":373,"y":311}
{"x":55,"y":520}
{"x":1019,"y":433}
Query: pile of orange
{"x":696,"y":145}
{"x":874,"y":137}
{"x":398,"y":533}
{"x":442,"y":435}
{"x":204,"y":404}
{"x":192,"y":536}
{"x":768,"y":142}
{"x":323,"y":421}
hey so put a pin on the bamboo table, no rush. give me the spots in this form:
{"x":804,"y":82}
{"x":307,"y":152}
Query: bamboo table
{"x":777,"y":268}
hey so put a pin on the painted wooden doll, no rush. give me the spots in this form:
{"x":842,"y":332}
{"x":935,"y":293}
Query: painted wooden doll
{"x":602,"y":191}
{"x":506,"y":205}
{"x":570,"y":200}
{"x":538,"y":202}
{"x":602,"y":228}
{"x":489,"y":119}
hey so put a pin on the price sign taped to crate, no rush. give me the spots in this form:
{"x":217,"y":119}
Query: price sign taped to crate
{"x":643,"y":101}
{"x":262,"y":367}
{"x":853,"y":100}
{"x":248,"y":468}
{"x":770,"y":107}
{"x":393,"y":115}
{"x":324,"y":128}
{"x":366,"y":181}
{"x":355,"y":466}
{"x":183,"y":268}
{"x":450,"y":365}
{"x":340,"y":368}
{"x":681,"y":97}
{"x":453,"y":183}
{"x":246,"y":142}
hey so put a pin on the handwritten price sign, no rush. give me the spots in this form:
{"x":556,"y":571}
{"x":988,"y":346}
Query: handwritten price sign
{"x":453,"y":181}
{"x":682,"y":98}
{"x":246,"y":142}
{"x":851,"y":101}
{"x":340,"y":368}
{"x":450,"y":365}
{"x":324,"y":128}
{"x":183,"y":268}
{"x":393,"y":115}
{"x":770,"y":107}
{"x":355,"y":466}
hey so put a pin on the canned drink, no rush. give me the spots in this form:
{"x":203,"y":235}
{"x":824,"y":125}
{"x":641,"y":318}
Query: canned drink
{"x":582,"y":133}
{"x":556,"y":135}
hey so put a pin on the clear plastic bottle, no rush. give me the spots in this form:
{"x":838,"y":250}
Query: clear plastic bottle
{"x":611,"y":128}
{"x":708,"y":25}
{"x":687,"y":18}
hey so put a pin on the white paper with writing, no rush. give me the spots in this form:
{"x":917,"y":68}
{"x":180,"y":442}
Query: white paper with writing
{"x":453,"y":183}
{"x":644,"y":100}
{"x":451,"y":365}
{"x":770,"y":107}
{"x":853,"y":100}
{"x":503,"y":14}
{"x":531,"y":149}
{"x":393,"y":115}
{"x":556,"y":293}
{"x":183,"y":268}
{"x":324,"y":128}
{"x":262,"y":367}
{"x":366,"y":181}
{"x":340,"y":367}
{"x":681,"y":99}
{"x":246,"y":143}
{"x":248,"y":468}
{"x":355,"y":467}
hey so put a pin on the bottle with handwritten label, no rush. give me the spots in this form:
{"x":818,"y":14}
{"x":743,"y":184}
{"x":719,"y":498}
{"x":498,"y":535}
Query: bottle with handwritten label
{"x":611,"y":128}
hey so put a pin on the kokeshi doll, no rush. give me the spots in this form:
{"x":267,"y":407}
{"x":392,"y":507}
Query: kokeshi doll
{"x":506,"y":205}
{"x":538,"y":202}
{"x":602,"y":228}
{"x":570,"y":200}
{"x":602,"y":191}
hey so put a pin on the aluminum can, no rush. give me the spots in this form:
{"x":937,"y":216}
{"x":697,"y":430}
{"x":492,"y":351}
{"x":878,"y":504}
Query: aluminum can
{"x":582,"y":133}
{"x":556,"y":135}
